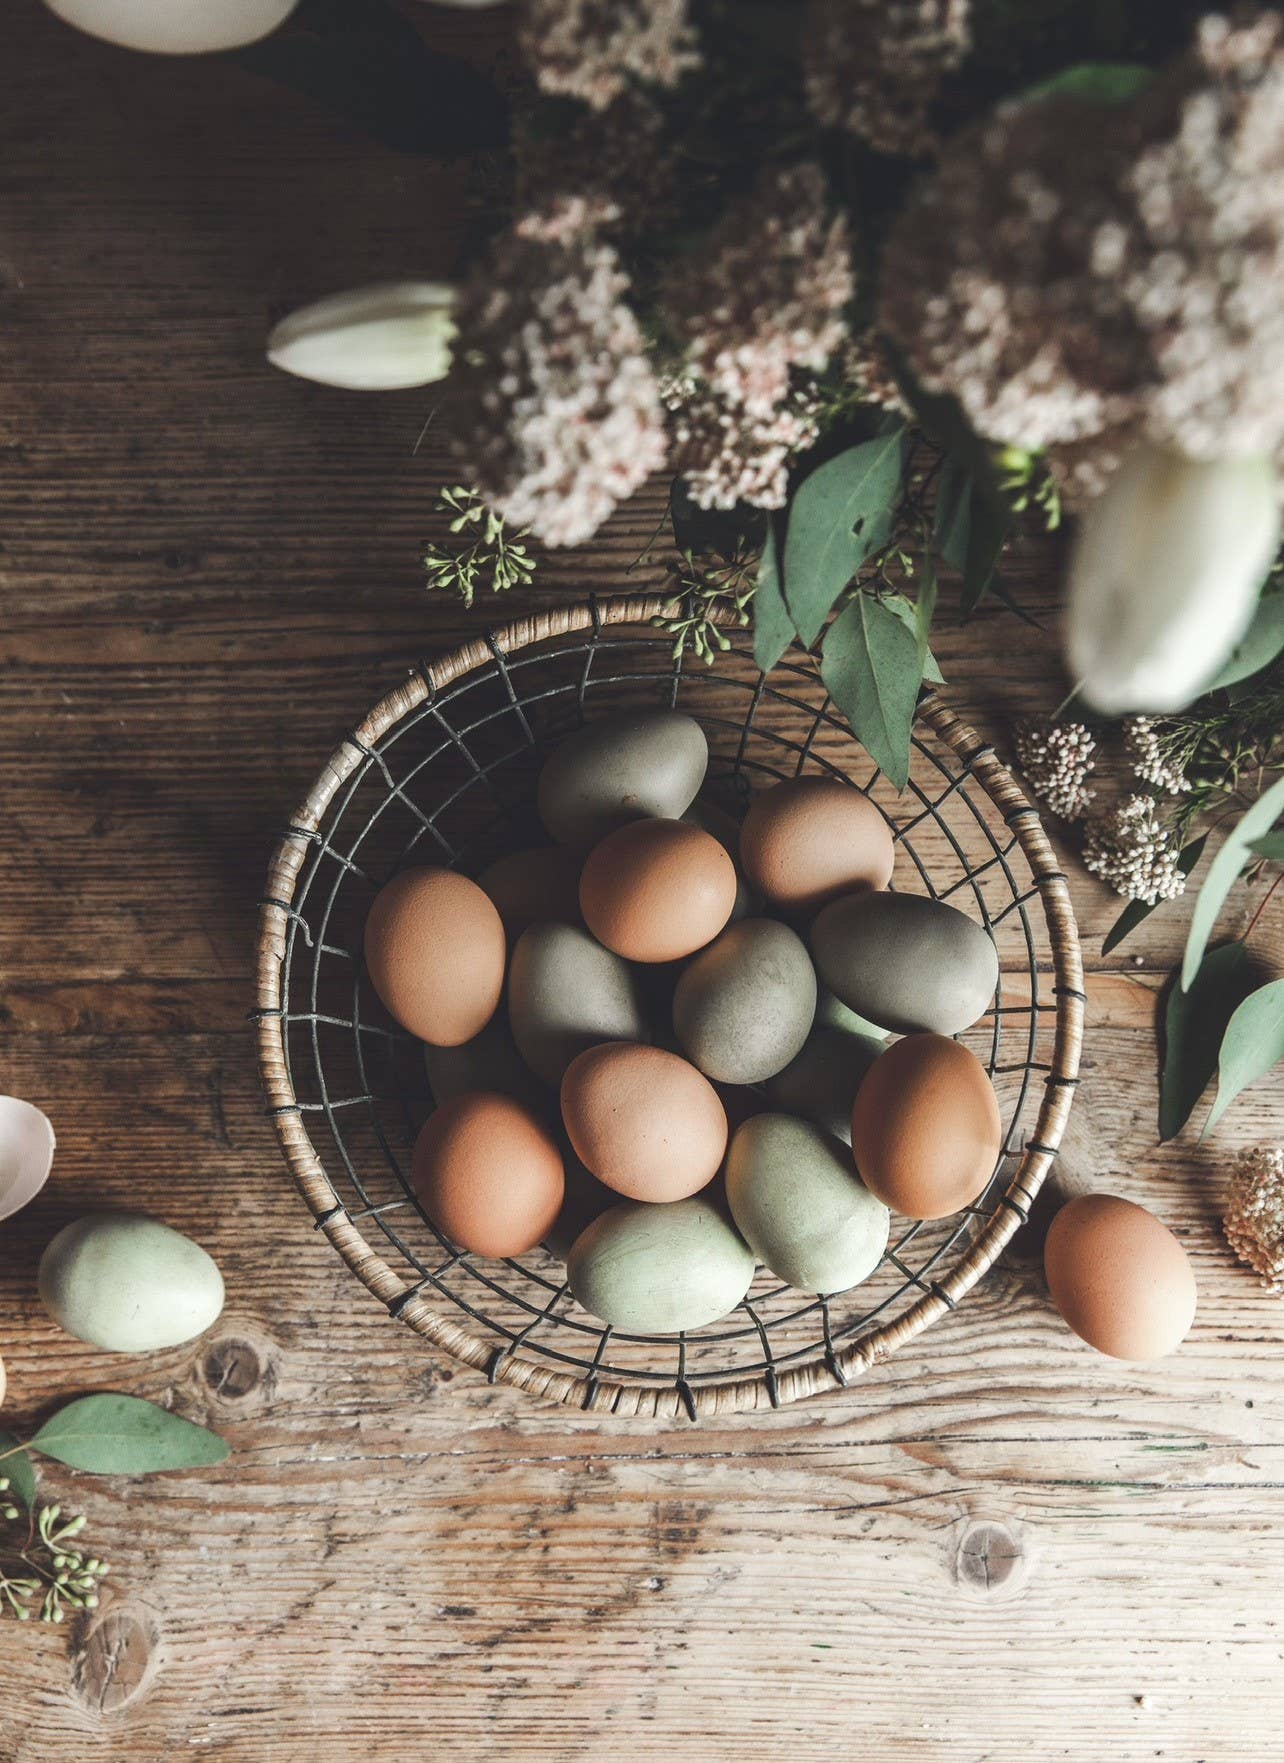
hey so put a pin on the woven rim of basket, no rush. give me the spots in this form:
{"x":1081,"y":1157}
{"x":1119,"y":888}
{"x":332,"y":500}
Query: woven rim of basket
{"x":736,"y":1395}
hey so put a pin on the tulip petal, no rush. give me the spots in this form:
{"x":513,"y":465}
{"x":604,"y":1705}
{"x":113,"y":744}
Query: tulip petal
{"x":381,"y":338}
{"x":175,"y":27}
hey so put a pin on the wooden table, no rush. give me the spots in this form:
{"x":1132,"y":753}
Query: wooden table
{"x":998,"y":1546}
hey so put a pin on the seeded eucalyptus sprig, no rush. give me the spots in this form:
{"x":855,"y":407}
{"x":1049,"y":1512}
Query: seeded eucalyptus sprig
{"x":698,"y":583}
{"x":47,"y":1574}
{"x":486,"y":554}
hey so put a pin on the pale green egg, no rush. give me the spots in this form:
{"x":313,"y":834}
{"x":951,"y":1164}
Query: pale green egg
{"x":659,"y":1269}
{"x":128,"y":1283}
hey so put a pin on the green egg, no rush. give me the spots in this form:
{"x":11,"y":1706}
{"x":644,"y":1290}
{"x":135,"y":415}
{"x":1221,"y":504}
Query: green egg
{"x":490,"y":1061}
{"x":820,"y":1083}
{"x":906,"y":962}
{"x":659,"y":1269}
{"x":800,"y":1205}
{"x":743,"y":1008}
{"x":647,"y":763}
{"x":128,"y":1283}
{"x":567,"y":993}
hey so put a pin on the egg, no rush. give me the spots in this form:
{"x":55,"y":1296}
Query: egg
{"x":657,"y":890}
{"x":536,"y":886}
{"x":490,"y":1061}
{"x":800,"y":1205}
{"x":488,"y":1174}
{"x":744,"y":1006}
{"x":820,"y":1082}
{"x":565,"y":993}
{"x":808,"y":840}
{"x":906,"y":962}
{"x":435,"y":951}
{"x":726,"y":829}
{"x":645,"y":764}
{"x":660,"y":1269}
{"x":926,"y":1129}
{"x":831,"y":1012}
{"x":175,"y":27}
{"x":644,"y":1121}
{"x":585,"y":1199}
{"x":1119,"y":1277}
{"x":129,"y":1284}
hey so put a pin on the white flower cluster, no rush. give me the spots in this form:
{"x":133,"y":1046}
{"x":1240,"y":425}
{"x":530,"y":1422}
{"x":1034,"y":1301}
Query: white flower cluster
{"x":1254,"y":1216}
{"x":1056,"y":759}
{"x":559,"y":416}
{"x":595,"y":49}
{"x":872,"y":67}
{"x":726,"y":454}
{"x":1132,"y":849}
{"x":1150,"y":765}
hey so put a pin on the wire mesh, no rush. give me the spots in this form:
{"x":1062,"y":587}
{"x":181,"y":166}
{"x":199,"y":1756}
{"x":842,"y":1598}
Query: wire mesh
{"x":452,"y":779}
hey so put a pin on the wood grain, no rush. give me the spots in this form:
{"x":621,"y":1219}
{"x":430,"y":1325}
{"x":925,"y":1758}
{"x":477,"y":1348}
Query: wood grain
{"x":999,"y":1546}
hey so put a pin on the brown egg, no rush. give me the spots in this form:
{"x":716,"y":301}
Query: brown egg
{"x":1119,"y":1277}
{"x":435,"y":954}
{"x":810,"y":839}
{"x":656,"y":890}
{"x":488,"y":1174}
{"x":644,"y":1121}
{"x":539,"y":886}
{"x":926,"y":1130}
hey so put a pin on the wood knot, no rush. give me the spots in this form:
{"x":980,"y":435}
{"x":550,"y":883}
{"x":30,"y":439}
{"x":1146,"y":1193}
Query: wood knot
{"x":116,"y":1661}
{"x":990,"y":1560}
{"x":232,"y":1369}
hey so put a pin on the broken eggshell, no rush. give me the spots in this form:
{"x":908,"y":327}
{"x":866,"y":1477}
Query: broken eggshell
{"x":26,"y":1153}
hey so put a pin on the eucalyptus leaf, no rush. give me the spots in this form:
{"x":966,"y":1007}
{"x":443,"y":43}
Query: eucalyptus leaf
{"x":1096,"y":82}
{"x":908,"y":613}
{"x":124,"y":1435}
{"x":952,"y":516}
{"x":1195,"y":1022}
{"x":871,"y":668}
{"x":988,"y":525}
{"x":22,"y":1477}
{"x":1271,"y":846}
{"x":1258,"y":647}
{"x":1252,"y":1044}
{"x":1223,"y":872}
{"x":1137,"y":911}
{"x":823,"y":549}
{"x":773,"y":629}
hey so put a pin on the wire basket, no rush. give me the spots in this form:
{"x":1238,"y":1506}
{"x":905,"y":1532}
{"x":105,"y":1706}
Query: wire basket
{"x":443,"y":770}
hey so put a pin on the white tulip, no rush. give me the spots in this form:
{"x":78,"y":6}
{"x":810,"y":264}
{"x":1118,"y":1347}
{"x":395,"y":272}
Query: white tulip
{"x":376,"y":339}
{"x":175,"y":27}
{"x":1165,"y":575}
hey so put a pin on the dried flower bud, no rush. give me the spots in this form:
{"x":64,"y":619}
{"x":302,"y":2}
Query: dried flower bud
{"x":593,"y":49}
{"x":1254,"y":1218}
{"x":380,"y":338}
{"x":1135,"y":852}
{"x":1056,"y":759}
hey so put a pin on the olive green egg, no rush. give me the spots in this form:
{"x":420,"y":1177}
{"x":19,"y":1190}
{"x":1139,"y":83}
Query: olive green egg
{"x":565,"y":993}
{"x":644,"y":764}
{"x":490,"y":1061}
{"x":831,"y":1012}
{"x":820,"y":1083}
{"x":128,"y":1283}
{"x":745,"y":1005}
{"x":800,"y":1205}
{"x":906,"y":962}
{"x":659,"y":1269}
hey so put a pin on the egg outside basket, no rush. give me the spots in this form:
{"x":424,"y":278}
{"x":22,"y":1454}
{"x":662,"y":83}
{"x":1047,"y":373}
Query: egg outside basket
{"x":443,"y":770}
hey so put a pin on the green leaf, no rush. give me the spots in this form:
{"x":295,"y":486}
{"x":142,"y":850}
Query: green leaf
{"x":1195,"y":1022}
{"x":1096,"y":82}
{"x":1271,"y":846}
{"x":909,"y":614}
{"x":870,"y":666}
{"x":952,"y":518}
{"x":823,"y":550}
{"x":1137,"y":911}
{"x":1223,"y":872}
{"x":773,"y":629}
{"x":22,"y":1477}
{"x":1252,"y":1044}
{"x":1258,"y":647}
{"x":123,"y":1435}
{"x":988,"y":524}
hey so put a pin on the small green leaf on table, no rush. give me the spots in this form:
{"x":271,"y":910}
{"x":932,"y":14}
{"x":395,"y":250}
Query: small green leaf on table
{"x":1137,"y":911}
{"x":871,"y":668}
{"x":773,"y":629}
{"x":124,"y":1435}
{"x":1271,"y":846}
{"x":16,"y":1465}
{"x":823,"y":548}
{"x":1252,"y":1044}
{"x":1258,"y":647}
{"x":1195,"y":1022}
{"x":1096,"y":82}
{"x":1223,"y":872}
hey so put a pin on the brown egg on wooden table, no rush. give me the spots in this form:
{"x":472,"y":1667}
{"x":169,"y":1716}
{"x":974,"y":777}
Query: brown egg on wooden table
{"x":489,"y":1174}
{"x":1119,"y":1277}
{"x":926,"y":1128}
{"x":435,"y":948}
{"x":808,"y":840}
{"x":540,"y":885}
{"x":657,"y":890}
{"x":644,"y":1121}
